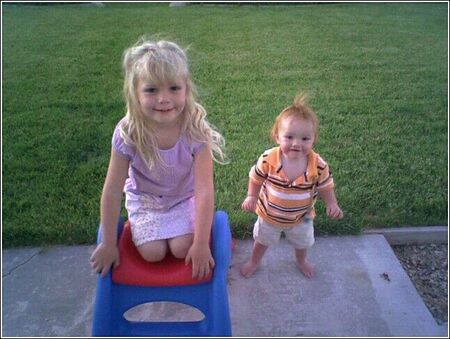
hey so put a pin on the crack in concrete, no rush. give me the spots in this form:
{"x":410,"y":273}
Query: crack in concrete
{"x":22,"y":263}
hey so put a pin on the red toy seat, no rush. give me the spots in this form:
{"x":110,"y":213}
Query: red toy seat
{"x":134,"y":270}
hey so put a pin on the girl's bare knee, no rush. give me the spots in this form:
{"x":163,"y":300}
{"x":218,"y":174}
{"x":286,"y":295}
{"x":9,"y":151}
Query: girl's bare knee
{"x":153,"y":251}
{"x":180,"y":246}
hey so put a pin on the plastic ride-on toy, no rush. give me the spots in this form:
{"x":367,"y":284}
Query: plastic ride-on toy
{"x":136,"y":281}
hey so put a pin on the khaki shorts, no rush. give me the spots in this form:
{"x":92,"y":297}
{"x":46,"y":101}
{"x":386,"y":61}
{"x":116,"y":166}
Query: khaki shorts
{"x":300,"y":236}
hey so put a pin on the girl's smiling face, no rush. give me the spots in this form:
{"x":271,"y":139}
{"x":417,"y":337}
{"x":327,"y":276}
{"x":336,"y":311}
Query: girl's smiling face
{"x":295,"y":137}
{"x":162,"y":103}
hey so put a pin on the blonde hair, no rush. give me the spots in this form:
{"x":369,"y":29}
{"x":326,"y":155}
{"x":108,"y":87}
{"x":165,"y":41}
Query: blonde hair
{"x":162,"y":62}
{"x":298,"y":110}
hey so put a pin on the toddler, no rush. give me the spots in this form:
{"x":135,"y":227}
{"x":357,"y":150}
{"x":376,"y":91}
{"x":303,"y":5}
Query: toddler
{"x":284,"y":185}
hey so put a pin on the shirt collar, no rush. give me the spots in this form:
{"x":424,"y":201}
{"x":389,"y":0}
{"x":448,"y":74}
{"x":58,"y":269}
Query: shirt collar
{"x":274,"y":159}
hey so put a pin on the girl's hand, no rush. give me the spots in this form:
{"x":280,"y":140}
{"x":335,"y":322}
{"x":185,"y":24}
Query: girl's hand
{"x":103,"y":258}
{"x":202,"y":260}
{"x":334,"y":211}
{"x":249,"y":204}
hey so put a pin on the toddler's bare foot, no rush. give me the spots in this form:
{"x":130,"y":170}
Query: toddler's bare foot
{"x":306,"y":268}
{"x":248,"y":269}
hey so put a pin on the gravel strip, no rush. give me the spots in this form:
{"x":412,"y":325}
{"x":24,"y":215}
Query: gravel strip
{"x":427,"y":267}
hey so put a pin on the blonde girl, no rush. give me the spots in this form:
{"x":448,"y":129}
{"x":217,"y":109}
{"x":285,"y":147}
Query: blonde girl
{"x":162,"y":157}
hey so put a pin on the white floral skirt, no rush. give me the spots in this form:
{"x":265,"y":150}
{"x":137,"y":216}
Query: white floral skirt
{"x":149,"y":221}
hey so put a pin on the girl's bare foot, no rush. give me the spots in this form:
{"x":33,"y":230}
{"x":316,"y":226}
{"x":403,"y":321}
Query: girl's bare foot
{"x":248,"y":269}
{"x":306,"y":268}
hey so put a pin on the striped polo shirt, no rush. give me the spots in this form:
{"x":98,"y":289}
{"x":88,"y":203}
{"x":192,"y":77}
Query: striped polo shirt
{"x":283,"y":202}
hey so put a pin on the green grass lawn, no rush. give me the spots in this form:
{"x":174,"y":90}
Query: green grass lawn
{"x":376,"y":72}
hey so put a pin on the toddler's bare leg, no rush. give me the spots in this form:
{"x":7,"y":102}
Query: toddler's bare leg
{"x":304,"y":265}
{"x":252,"y":264}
